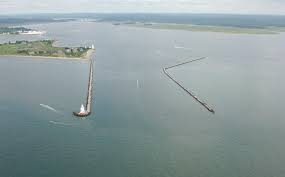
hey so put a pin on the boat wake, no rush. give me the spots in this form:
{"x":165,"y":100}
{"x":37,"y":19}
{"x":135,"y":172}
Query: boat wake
{"x":138,"y":85}
{"x":59,"y":123}
{"x":49,"y":108}
{"x":181,"y":47}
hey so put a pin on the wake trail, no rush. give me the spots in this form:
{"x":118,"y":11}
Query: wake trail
{"x":49,"y":107}
{"x":138,"y":84}
{"x":60,"y":123}
{"x":181,"y":47}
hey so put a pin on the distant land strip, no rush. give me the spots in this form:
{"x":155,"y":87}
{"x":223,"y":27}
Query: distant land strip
{"x":205,"y":28}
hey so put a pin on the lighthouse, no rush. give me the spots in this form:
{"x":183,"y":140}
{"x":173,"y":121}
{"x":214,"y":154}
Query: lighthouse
{"x":82,"y":110}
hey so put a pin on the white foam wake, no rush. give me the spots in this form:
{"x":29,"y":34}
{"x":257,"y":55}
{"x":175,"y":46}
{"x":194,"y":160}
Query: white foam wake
{"x":48,"y":107}
{"x":181,"y":47}
{"x":59,"y":123}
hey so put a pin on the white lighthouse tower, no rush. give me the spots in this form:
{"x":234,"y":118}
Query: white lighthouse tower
{"x":82,"y":110}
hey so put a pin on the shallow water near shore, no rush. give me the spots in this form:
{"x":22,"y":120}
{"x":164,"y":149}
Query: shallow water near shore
{"x":143,"y":124}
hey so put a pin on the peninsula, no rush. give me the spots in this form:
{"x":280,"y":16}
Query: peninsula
{"x":18,"y":30}
{"x":44,"y":48}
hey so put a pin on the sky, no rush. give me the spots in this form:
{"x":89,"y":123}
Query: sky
{"x":275,"y":7}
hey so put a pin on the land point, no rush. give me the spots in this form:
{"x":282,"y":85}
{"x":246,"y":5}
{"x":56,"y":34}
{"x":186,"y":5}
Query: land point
{"x":44,"y":49}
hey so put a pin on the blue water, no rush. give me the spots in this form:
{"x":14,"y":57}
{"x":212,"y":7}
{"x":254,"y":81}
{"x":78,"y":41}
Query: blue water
{"x":154,"y":129}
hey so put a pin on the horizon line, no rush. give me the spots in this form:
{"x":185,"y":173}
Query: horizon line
{"x":130,"y":12}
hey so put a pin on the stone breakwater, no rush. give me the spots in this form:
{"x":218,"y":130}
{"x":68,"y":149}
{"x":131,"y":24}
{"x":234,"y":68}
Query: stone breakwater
{"x":205,"y":105}
{"x":89,"y":93}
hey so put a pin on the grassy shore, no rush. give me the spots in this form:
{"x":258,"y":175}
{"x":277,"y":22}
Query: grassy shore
{"x":13,"y":30}
{"x":45,"y":49}
{"x":202,"y":28}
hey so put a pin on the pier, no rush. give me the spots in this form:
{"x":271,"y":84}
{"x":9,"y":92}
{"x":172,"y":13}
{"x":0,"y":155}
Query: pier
{"x":88,"y":106}
{"x":205,"y":105}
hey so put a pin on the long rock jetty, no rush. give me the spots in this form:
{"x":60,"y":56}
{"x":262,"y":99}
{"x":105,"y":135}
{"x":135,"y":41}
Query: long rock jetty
{"x":88,"y":106}
{"x":186,"y":90}
{"x":90,"y":88}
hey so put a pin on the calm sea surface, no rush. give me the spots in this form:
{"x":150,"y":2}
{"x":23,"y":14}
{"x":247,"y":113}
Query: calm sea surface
{"x":149,"y":129}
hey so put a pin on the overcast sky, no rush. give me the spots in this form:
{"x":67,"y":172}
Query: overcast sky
{"x":189,"y":6}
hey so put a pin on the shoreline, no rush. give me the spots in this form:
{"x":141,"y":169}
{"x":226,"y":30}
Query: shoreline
{"x":268,"y":30}
{"x":87,"y":56}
